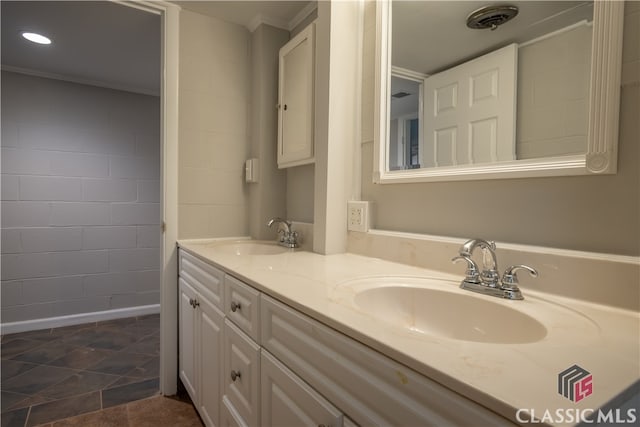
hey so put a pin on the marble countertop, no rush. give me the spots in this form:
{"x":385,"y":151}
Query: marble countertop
{"x":510,"y":379}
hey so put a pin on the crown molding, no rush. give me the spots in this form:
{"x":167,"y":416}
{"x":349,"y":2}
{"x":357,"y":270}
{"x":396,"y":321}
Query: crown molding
{"x":80,"y":80}
{"x":282,"y":24}
{"x":302,"y":15}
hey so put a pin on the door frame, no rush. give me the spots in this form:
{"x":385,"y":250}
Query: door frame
{"x":170,"y":26}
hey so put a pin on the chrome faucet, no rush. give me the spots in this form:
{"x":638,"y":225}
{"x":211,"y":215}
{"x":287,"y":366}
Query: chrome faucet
{"x":489,"y":276}
{"x":488,"y":281}
{"x":287,"y":237}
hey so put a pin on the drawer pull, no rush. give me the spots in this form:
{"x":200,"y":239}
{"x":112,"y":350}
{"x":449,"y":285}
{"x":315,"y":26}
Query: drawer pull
{"x":235,"y":306}
{"x":235,"y":375}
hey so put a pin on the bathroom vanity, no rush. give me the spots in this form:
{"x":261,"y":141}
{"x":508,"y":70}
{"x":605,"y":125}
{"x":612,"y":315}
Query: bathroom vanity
{"x":274,"y":336}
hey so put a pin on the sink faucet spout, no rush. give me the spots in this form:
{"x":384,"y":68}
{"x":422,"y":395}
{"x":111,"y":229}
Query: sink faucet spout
{"x":488,"y":281}
{"x":287,"y":237}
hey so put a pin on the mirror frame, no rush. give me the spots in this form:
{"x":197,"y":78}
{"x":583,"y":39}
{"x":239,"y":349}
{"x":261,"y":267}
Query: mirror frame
{"x":604,"y":107}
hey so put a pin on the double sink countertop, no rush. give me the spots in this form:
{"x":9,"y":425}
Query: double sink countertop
{"x":515,"y":380}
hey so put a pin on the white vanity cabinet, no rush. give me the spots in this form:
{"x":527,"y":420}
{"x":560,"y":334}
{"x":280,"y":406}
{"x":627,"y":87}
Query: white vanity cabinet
{"x":200,"y":336}
{"x":368,"y":386}
{"x":258,"y":389}
{"x":259,"y":362}
{"x":295,"y":100}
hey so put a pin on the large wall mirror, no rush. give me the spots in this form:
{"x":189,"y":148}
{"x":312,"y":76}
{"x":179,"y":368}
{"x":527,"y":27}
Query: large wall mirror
{"x":534,"y":92}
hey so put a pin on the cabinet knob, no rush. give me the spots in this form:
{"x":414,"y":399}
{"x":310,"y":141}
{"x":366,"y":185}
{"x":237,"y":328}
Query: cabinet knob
{"x":235,"y":306}
{"x":235,"y":375}
{"x":196,"y":303}
{"x":285,"y":107}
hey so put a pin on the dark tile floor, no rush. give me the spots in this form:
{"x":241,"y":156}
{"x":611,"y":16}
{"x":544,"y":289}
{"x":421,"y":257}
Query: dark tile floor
{"x":54,"y":374}
{"x":152,"y":412}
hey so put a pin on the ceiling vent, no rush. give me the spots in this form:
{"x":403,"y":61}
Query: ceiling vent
{"x":491,"y":16}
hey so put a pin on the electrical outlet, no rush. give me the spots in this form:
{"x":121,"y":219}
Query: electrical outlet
{"x":358,"y":216}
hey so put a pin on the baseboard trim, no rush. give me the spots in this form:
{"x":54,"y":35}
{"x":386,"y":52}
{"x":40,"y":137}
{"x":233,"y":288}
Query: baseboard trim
{"x":77,"y":319}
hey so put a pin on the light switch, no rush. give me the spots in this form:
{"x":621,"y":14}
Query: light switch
{"x":251,"y":170}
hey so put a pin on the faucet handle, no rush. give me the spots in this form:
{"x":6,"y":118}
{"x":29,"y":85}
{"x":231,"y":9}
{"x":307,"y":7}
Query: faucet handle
{"x":510,"y":277}
{"x":472,"y":274}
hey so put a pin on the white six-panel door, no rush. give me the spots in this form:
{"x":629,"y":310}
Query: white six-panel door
{"x":470,"y":111}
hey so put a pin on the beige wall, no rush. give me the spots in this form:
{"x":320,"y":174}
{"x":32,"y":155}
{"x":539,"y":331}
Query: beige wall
{"x":267,"y":196}
{"x":300,"y":183}
{"x":590,"y":213}
{"x":213,"y":141}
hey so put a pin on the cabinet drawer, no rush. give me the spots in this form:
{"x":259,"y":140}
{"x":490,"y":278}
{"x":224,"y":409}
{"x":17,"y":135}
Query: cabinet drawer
{"x":241,"y":373}
{"x":229,"y":417}
{"x":369,"y":387}
{"x":204,"y":277}
{"x":242,"y":304}
{"x":286,"y":400}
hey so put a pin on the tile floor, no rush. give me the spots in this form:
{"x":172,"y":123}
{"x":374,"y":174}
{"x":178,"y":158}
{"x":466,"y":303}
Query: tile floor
{"x":59,"y":373}
{"x":151,"y":412}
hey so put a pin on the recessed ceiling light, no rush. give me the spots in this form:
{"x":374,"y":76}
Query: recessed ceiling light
{"x":36,"y":38}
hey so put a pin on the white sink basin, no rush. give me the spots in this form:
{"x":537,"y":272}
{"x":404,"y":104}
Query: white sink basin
{"x":450,"y":315}
{"x":250,"y":247}
{"x":432,"y":307}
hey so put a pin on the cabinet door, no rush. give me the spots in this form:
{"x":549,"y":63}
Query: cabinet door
{"x":188,"y":342}
{"x":241,"y":373}
{"x":211,"y":321}
{"x":286,"y":400}
{"x":295,"y":94}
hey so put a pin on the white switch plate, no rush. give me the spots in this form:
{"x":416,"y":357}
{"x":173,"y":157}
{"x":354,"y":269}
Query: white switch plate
{"x":358,"y":216}
{"x":251,"y":171}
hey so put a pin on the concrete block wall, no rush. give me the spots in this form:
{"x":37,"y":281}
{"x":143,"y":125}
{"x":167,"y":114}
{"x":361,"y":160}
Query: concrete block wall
{"x":80,"y":199}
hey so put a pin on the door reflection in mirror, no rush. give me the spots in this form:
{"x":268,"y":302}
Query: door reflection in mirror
{"x":405,"y":120}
